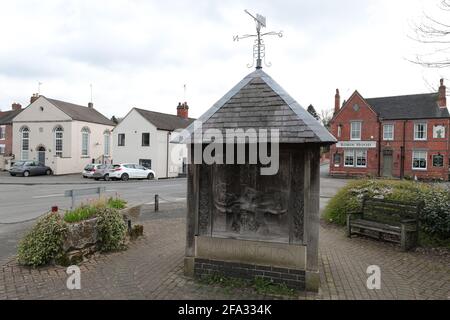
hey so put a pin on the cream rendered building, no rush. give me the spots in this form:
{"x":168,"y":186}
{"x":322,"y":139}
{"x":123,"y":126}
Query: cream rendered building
{"x":143,"y":137}
{"x":64,"y":136}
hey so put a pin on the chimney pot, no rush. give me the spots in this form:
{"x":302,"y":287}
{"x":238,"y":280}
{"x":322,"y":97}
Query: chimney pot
{"x":90,"y":105}
{"x":34,"y":97}
{"x":16,"y":106}
{"x":183,"y":110}
{"x":442,"y":99}
{"x":337,"y":101}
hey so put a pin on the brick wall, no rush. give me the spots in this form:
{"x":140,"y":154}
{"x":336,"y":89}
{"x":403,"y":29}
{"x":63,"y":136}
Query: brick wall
{"x":8,"y":140}
{"x":294,"y":279}
{"x":433,"y":146}
{"x":370,"y":132}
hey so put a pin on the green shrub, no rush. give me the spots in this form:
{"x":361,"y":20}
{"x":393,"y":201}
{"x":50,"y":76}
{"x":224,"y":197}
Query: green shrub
{"x":80,"y":214}
{"x":88,"y":211}
{"x":44,"y":242}
{"x":435,"y":217}
{"x":111,"y":229}
{"x":116,"y":203}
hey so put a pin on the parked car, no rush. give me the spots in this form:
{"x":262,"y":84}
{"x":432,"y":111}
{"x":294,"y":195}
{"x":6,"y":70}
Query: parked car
{"x":29,"y":168}
{"x":90,"y":169}
{"x":128,"y":171}
{"x":103,"y":172}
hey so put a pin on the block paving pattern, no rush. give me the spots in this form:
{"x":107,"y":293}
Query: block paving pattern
{"x":152,"y":269}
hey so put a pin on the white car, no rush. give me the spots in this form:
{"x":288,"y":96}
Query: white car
{"x":90,"y":169}
{"x":128,"y":171}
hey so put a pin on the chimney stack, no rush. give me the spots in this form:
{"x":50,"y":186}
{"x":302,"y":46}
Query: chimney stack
{"x":337,"y":101}
{"x":91,"y":105}
{"x":16,"y":106}
{"x":183,"y":110}
{"x":442,"y":100}
{"x":34,"y":97}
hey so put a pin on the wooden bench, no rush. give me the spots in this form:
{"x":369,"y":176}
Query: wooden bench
{"x":398,"y":220}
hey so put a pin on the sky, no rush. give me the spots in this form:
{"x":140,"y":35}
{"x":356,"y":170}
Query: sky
{"x":141,"y":53}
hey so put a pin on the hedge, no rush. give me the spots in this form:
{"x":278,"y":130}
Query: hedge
{"x":434,"y":219}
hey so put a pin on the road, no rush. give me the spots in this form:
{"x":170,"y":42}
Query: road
{"x":24,"y":202}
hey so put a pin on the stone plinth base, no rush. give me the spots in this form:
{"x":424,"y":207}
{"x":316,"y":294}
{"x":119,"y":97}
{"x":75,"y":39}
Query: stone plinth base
{"x":292,"y":278}
{"x":280,"y":263}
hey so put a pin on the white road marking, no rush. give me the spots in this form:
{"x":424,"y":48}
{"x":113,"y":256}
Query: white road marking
{"x":60,"y":195}
{"x":49,"y":196}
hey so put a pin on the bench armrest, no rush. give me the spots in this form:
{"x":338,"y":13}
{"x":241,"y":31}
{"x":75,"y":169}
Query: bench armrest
{"x":352,"y":215}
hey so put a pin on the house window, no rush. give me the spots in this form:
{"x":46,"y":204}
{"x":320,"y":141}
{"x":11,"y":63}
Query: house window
{"x":107,"y":143}
{"x":25,"y":143}
{"x":361,"y":158}
{"x":2,"y":149}
{"x":388,"y":132}
{"x":146,"y":139}
{"x":146,"y":163}
{"x":59,"y":141}
{"x":439,"y":132}
{"x":337,"y":159}
{"x":355,"y":158}
{"x":355,"y":133}
{"x":349,"y":156}
{"x":419,"y":160}
{"x":85,"y":133}
{"x":420,"y":131}
{"x":438,"y":160}
{"x":121,"y":140}
{"x":339,"y":132}
{"x":2,"y":132}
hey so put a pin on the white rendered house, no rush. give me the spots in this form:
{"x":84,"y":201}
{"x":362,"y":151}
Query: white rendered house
{"x":62,"y":135}
{"x":144,"y":136}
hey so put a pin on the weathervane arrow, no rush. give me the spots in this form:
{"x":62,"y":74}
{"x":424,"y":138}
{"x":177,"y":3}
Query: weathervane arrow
{"x":259,"y":48}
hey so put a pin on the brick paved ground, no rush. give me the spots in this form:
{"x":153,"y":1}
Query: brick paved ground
{"x":152,"y":269}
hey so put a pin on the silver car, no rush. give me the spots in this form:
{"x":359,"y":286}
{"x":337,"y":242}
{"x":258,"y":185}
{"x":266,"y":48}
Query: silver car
{"x":103,"y":172}
{"x":90,"y":169}
{"x":29,"y":168}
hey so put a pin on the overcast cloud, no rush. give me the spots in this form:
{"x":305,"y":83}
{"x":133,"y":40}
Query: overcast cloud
{"x":140,"y":53}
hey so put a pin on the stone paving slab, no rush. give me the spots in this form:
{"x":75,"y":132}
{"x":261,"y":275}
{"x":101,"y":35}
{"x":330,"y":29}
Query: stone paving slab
{"x":152,"y":269}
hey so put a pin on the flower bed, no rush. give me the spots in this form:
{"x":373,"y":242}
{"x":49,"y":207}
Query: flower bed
{"x":68,"y":238}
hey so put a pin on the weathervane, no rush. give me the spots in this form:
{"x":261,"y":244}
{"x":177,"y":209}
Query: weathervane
{"x":259,"y":49}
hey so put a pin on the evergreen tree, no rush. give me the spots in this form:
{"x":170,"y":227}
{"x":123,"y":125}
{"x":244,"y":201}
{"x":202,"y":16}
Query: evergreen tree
{"x":313,"y":112}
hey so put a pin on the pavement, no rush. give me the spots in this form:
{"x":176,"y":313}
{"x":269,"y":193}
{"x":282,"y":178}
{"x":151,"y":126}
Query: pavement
{"x":68,"y":179}
{"x":151,"y":268}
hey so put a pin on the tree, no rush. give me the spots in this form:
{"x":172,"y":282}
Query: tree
{"x":325,"y":118}
{"x":115,"y":120}
{"x":313,"y":112}
{"x":434,"y":33}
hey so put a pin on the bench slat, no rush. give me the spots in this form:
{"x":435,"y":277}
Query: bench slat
{"x":376,"y":226}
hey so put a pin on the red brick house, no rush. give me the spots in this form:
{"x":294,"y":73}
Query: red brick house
{"x":6,"y":138}
{"x":400,"y":136}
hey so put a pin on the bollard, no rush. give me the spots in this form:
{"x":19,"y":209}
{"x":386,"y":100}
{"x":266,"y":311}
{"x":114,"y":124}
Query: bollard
{"x":129,"y":227}
{"x":156,"y":202}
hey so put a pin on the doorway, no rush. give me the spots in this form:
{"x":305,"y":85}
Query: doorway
{"x":41,"y":155}
{"x":387,"y":163}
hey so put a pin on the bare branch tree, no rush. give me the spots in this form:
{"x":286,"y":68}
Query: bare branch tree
{"x":325,"y":117}
{"x":435,"y":32}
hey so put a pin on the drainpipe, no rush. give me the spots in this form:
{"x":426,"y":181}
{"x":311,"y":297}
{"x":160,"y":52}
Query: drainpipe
{"x":167,"y":165}
{"x":402,"y":152}
{"x":379,"y":145}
